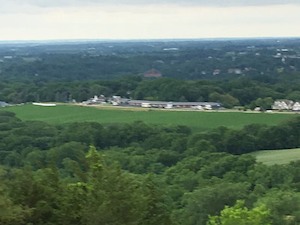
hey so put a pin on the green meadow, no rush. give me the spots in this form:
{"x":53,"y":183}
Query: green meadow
{"x":271,"y":157}
{"x":196,"y":120}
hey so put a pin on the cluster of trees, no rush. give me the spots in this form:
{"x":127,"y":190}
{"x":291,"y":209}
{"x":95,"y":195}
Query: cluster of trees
{"x":94,"y":193}
{"x":87,"y":173}
{"x":252,"y":137}
{"x":244,"y":91}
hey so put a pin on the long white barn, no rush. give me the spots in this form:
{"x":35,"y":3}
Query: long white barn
{"x":162,"y":104}
{"x":44,"y":104}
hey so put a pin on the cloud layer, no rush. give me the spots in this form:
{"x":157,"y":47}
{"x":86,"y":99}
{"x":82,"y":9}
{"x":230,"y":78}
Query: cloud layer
{"x":211,"y":3}
{"x":132,"y":19}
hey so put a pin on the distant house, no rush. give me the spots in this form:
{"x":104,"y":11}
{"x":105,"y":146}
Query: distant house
{"x":95,"y":101}
{"x":235,"y":71}
{"x":296,"y":106}
{"x":283,"y":105}
{"x":146,"y":105}
{"x":3,"y":104}
{"x":207,"y":107}
{"x":171,"y":49}
{"x":169,"y":105}
{"x":117,"y":100}
{"x":216,"y":72}
{"x":153,"y":73}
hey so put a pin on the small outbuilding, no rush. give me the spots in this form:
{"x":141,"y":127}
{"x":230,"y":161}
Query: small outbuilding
{"x":153,"y":73}
{"x":3,"y":104}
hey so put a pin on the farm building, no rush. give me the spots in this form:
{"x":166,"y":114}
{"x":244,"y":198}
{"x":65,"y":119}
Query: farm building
{"x":296,"y":106}
{"x":235,"y":71}
{"x":95,"y":101}
{"x":44,"y":104}
{"x":283,"y":105}
{"x":216,"y":72}
{"x":162,"y":104}
{"x":117,"y":100}
{"x":153,"y":73}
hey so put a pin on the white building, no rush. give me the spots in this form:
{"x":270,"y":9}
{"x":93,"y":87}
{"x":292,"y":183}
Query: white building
{"x":169,"y":106}
{"x":296,"y":106}
{"x":95,"y":100}
{"x":146,"y":105}
{"x":283,"y":105}
{"x":216,"y":72}
{"x":208,"y":107}
{"x":235,"y":71}
{"x":44,"y":104}
{"x":116,"y":100}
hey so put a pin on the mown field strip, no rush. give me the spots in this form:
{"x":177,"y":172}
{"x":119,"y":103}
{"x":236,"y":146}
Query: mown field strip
{"x":194,"y":119}
{"x":271,"y":157}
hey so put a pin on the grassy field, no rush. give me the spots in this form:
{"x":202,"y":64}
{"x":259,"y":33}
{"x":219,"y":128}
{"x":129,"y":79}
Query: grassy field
{"x":277,"y":156}
{"x":196,"y":120}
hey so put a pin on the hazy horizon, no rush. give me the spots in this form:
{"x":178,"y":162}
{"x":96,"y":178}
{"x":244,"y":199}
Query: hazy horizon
{"x":146,"y":39}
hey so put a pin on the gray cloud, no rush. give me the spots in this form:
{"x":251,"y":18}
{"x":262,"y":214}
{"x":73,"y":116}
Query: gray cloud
{"x":215,"y":3}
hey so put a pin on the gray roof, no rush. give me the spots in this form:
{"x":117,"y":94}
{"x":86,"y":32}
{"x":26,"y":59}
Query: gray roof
{"x":174,"y":103}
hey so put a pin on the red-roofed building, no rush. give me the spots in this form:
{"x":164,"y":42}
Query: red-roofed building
{"x":152,"y":73}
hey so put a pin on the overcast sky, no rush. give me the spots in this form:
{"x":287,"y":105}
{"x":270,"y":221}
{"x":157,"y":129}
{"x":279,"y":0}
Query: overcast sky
{"x":146,"y":19}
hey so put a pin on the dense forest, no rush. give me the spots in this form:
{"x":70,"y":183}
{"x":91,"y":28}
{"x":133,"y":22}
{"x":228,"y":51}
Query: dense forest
{"x":88,"y":173}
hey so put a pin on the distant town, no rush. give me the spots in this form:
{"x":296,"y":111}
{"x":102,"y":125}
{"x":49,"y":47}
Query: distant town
{"x":182,"y":59}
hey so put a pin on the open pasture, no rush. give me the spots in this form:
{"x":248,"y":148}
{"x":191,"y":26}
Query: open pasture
{"x":198,"y":121}
{"x":271,"y":157}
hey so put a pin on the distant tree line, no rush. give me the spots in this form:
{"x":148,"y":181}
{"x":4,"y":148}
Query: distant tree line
{"x":251,"y":92}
